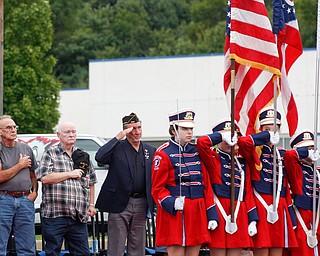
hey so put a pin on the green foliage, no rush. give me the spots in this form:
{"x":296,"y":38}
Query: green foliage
{"x":166,"y":13}
{"x":208,"y":12}
{"x":91,"y":38}
{"x":306,"y":11}
{"x":30,"y":90}
{"x":131,"y":28}
{"x":102,"y":29}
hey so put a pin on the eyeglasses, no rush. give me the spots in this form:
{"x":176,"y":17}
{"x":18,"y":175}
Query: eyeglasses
{"x":10,"y":128}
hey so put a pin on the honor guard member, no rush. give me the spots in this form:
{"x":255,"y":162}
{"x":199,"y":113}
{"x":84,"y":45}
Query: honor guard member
{"x":276,"y":222}
{"x":300,"y":171}
{"x":215,"y":152}
{"x":182,"y":191}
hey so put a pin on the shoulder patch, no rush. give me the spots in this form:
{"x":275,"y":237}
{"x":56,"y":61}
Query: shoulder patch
{"x":156,"y":162}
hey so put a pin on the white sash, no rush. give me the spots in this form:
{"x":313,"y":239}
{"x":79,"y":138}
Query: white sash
{"x":272,"y":216}
{"x":231,"y":227}
{"x":312,"y":240}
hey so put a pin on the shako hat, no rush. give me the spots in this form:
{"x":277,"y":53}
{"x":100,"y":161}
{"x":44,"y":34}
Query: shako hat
{"x":224,"y":125}
{"x":266,"y":116}
{"x":303,"y":138}
{"x":183,"y":118}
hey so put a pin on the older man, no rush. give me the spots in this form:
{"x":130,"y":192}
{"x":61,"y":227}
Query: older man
{"x":126,"y":192}
{"x":67,"y":195}
{"x":18,"y":190}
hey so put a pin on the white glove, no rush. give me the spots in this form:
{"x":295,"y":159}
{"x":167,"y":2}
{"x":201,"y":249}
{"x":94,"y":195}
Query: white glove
{"x":212,"y":225}
{"x":252,"y":228}
{"x":179,"y":203}
{"x":313,"y":155}
{"x":274,"y":138}
{"x":226,"y":136}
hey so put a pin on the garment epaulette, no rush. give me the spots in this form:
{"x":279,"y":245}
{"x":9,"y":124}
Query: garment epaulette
{"x":163,"y":146}
{"x":281,"y":150}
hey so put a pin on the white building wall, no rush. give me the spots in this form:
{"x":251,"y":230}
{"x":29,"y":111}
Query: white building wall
{"x":75,"y":107}
{"x":154,"y":87}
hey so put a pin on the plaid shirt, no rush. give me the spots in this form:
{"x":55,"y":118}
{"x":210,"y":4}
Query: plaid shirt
{"x":68,"y":198}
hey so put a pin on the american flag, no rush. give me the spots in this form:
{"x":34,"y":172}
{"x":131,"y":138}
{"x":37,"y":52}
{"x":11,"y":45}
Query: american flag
{"x":285,"y":26}
{"x":250,"y":41}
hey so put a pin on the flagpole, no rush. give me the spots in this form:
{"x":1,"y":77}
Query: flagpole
{"x":316,"y":105}
{"x":232,"y":133}
{"x":275,"y":146}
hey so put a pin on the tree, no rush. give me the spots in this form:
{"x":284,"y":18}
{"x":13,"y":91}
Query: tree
{"x":92,"y":37}
{"x":306,"y":11}
{"x":102,"y":29}
{"x":31,"y":92}
{"x":164,"y":14}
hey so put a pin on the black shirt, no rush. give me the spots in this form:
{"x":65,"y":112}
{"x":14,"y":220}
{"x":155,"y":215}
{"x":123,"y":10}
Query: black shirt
{"x":139,"y":171}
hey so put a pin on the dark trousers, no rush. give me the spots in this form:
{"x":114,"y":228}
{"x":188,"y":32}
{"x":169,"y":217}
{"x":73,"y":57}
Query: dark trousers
{"x":130,"y":226}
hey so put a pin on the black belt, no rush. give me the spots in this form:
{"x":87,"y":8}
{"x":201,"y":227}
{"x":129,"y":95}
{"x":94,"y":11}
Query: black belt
{"x":137,"y":195}
{"x":15,"y":193}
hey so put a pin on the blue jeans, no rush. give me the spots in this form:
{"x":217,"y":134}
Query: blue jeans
{"x":17,"y":214}
{"x":73,"y":231}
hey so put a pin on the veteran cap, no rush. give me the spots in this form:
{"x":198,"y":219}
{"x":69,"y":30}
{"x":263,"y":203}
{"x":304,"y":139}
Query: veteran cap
{"x":303,"y":138}
{"x":183,"y":118}
{"x":130,"y":119}
{"x":224,"y":125}
{"x":266,"y":116}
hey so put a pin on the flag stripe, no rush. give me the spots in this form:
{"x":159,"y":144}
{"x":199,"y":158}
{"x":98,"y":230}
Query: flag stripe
{"x":253,"y":6}
{"x":253,"y":44}
{"x":265,"y":98}
{"x":253,"y":82}
{"x":250,"y":17}
{"x":289,"y":48}
{"x":295,"y":49}
{"x":250,"y":41}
